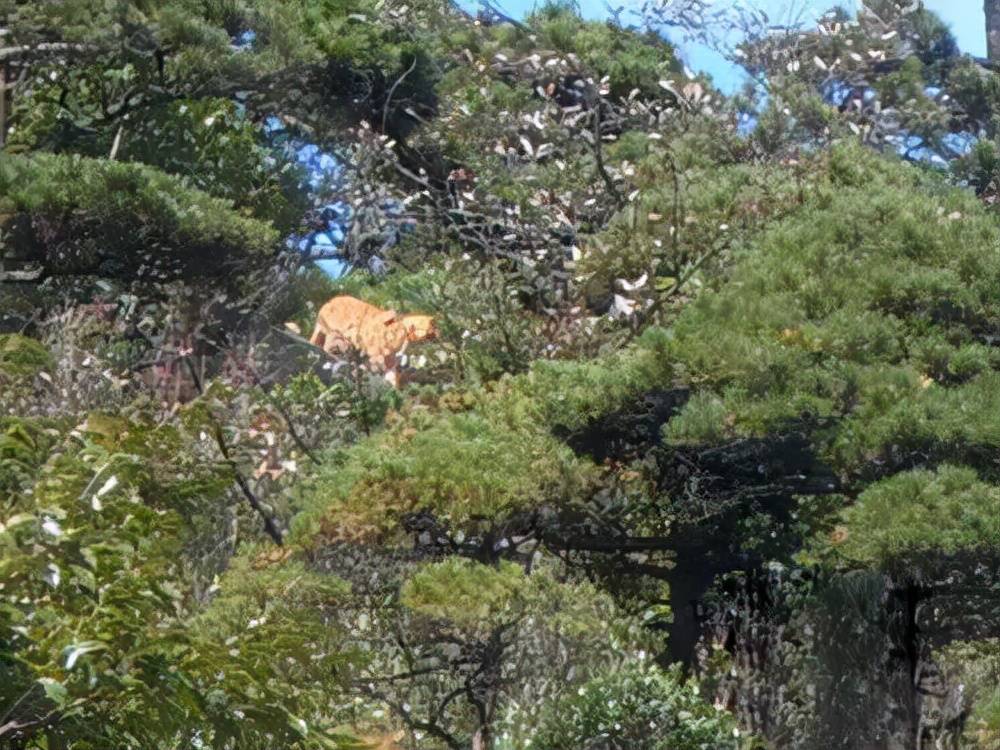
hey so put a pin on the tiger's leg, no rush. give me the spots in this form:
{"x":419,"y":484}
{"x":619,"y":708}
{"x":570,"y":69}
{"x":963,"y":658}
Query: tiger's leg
{"x":318,"y":338}
{"x":391,"y":367}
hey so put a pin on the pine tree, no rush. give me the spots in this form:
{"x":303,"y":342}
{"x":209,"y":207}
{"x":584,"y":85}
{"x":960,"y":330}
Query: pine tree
{"x":992,"y":11}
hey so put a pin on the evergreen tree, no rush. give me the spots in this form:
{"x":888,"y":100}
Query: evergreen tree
{"x":703,"y":456}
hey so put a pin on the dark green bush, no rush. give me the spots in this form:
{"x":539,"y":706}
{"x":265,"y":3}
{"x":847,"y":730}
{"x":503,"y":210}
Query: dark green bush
{"x":78,"y":206}
{"x":637,"y":707}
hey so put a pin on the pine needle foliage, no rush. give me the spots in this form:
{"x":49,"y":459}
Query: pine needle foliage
{"x":70,"y":211}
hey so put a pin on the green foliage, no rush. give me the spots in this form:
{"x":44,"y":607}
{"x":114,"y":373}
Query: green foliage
{"x":78,"y":206}
{"x":697,"y":197}
{"x":976,"y":666}
{"x":198,"y":33}
{"x":87,"y":566}
{"x":902,"y":523}
{"x":893,"y":70}
{"x":568,"y":393}
{"x":934,"y":43}
{"x":21,"y":357}
{"x":464,"y":468}
{"x":405,"y":292}
{"x":977,"y":92}
{"x":796,"y":113}
{"x":477,"y":597}
{"x":218,"y":150}
{"x":483,"y":330}
{"x":836,"y":294}
{"x":702,"y":421}
{"x":346,"y":31}
{"x":96,"y":627}
{"x":850,"y":308}
{"x":266,"y":650}
{"x":549,"y":634}
{"x":905,"y":84}
{"x":494,"y":457}
{"x":985,"y":719}
{"x":631,"y":61}
{"x":642,"y":707}
{"x":23,"y":447}
{"x":473,"y":596}
{"x":980,"y":168}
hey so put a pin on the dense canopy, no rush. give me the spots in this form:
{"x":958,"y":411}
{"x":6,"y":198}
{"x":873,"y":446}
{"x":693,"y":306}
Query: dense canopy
{"x":702,"y":454}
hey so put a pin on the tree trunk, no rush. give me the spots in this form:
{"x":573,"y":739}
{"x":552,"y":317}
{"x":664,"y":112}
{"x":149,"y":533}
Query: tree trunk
{"x":3,"y":104}
{"x":992,"y":11}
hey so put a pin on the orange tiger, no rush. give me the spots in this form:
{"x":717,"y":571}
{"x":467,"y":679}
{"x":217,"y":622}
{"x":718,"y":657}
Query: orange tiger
{"x":345,"y":323}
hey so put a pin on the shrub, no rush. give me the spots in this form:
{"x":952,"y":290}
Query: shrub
{"x":471,"y":595}
{"x":270,"y":627}
{"x":865,"y":306}
{"x":569,"y":394}
{"x":463,"y":468}
{"x":907,"y":521}
{"x":629,"y":60}
{"x":975,"y":665}
{"x":77,"y":207}
{"x":21,"y":358}
{"x":637,"y":707}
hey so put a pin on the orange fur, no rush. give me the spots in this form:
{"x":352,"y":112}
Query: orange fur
{"x":345,"y":323}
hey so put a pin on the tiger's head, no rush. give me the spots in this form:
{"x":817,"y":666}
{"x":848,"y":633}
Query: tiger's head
{"x":419,"y":327}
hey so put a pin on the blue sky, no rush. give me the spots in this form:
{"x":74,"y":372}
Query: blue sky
{"x":964,"y":16}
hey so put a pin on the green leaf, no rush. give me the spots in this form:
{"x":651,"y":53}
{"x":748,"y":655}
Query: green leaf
{"x":55,"y":691}
{"x":16,"y":520}
{"x":663,"y":283}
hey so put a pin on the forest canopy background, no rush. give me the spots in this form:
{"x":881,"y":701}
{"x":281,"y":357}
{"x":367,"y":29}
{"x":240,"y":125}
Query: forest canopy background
{"x":703,"y":456}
